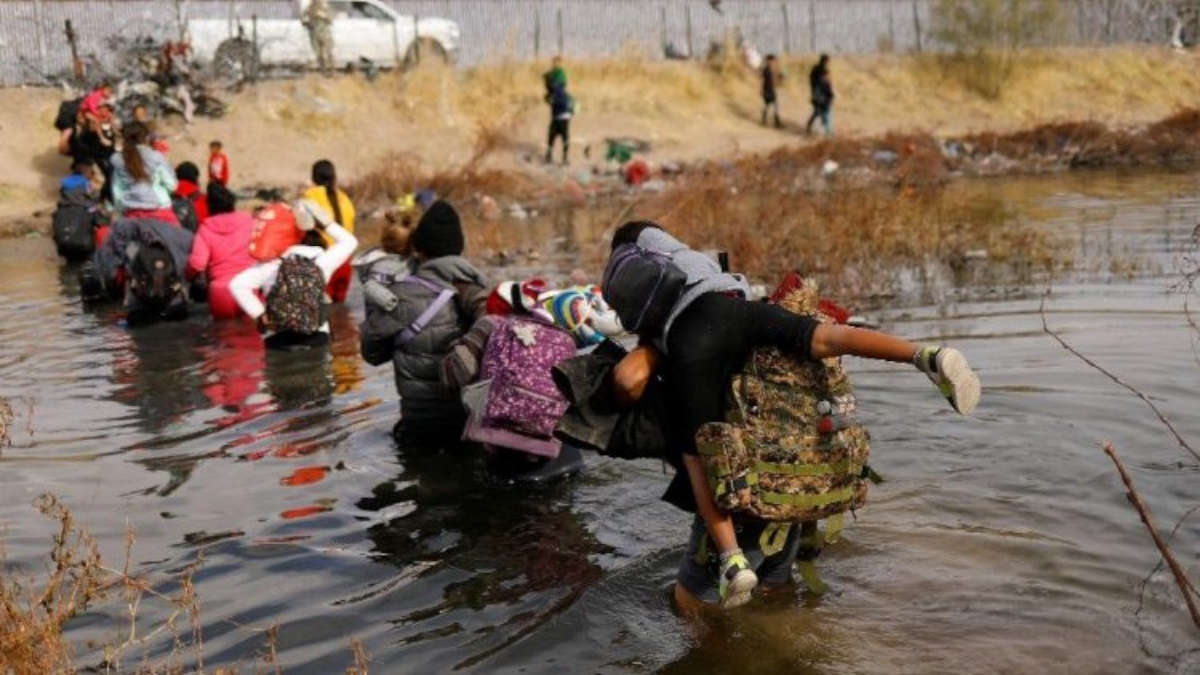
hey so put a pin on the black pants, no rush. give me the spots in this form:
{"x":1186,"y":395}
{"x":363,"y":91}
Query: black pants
{"x":559,"y":129}
{"x":707,"y":345}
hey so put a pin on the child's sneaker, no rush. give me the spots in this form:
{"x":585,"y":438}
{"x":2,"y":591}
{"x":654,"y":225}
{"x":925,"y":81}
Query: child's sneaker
{"x":949,"y":370}
{"x":737,"y":580}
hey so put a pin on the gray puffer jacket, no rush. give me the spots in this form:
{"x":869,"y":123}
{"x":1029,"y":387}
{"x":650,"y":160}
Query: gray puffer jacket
{"x":417,"y":365}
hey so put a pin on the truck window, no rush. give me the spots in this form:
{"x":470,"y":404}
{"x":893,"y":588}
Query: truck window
{"x":365,"y":10}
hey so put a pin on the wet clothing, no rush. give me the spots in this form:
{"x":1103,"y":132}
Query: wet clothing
{"x":425,"y":401}
{"x":153,"y":192}
{"x":339,"y":284}
{"x":110,"y":256}
{"x":249,"y":283}
{"x":699,"y":571}
{"x":222,"y":251}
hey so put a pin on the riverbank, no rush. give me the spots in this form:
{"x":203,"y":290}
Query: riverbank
{"x":894,"y":114}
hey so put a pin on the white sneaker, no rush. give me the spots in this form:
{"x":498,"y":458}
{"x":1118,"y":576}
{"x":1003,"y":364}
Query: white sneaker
{"x":737,"y":582}
{"x":949,"y":370}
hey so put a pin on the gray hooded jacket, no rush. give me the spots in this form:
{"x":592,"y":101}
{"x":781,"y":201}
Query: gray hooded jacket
{"x":704,"y":275}
{"x":417,"y":365}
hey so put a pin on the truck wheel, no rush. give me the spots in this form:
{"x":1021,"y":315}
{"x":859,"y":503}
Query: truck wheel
{"x":424,"y":52}
{"x":236,"y":61}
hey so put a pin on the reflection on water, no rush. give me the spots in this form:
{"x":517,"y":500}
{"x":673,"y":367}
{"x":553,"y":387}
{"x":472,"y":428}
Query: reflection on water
{"x":1002,"y":543}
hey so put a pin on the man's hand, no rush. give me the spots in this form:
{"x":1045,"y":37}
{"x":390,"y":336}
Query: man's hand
{"x":633,"y":373}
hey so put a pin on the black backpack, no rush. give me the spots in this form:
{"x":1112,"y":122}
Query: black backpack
{"x":67,"y":112}
{"x":72,"y":224}
{"x":185,"y":211}
{"x":642,"y":286}
{"x":153,"y":277}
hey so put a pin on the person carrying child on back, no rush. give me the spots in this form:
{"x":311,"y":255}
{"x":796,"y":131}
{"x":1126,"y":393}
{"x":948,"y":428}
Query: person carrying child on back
{"x":142,"y":179}
{"x":699,"y":336}
{"x":292,"y":273}
{"x":434,"y":306}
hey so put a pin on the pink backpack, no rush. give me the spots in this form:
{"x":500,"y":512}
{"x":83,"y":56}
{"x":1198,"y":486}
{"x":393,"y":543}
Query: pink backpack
{"x":522,"y":396}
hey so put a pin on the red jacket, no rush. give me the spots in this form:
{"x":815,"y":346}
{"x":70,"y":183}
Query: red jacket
{"x":218,"y":168}
{"x":189,"y":190}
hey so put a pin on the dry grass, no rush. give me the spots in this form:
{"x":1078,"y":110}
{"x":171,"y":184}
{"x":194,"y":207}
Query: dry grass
{"x":35,"y":610}
{"x":858,"y":240}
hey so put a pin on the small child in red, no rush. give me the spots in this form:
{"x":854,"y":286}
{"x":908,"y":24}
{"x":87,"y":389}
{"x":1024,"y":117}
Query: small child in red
{"x":218,"y":164}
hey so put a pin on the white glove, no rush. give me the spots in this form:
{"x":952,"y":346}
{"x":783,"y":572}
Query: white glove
{"x":309,"y":215}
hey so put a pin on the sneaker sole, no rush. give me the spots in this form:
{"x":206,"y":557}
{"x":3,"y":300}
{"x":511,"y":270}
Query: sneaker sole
{"x":740,"y":591}
{"x":962,"y":382}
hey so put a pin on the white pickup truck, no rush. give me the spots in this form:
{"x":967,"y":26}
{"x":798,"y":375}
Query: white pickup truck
{"x":362,"y":29}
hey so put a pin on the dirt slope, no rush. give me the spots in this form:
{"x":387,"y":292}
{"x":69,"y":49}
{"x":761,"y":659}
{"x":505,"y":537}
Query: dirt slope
{"x":275,"y":130}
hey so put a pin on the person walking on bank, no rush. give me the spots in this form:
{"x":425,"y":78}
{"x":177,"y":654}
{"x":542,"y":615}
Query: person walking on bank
{"x":562,"y":109}
{"x":771,"y":78}
{"x":318,"y":19}
{"x":822,"y":96}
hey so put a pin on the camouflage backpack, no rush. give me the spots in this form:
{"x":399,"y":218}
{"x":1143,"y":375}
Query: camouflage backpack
{"x":296,"y":302}
{"x":790,"y":449}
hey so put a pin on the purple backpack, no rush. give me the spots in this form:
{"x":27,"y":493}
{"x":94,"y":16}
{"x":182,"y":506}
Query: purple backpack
{"x":517,"y":360}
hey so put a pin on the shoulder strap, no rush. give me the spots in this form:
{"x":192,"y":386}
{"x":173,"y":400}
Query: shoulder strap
{"x":444,"y":294}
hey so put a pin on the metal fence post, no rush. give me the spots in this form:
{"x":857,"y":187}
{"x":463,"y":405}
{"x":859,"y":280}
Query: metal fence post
{"x":917,"y":24}
{"x":662,"y":28}
{"x":687,"y":15}
{"x":41,"y":43}
{"x":560,"y":31}
{"x":787,"y":29}
{"x":254,"y":45}
{"x":812,"y":26}
{"x":416,"y":45}
{"x":537,"y":34}
{"x":891,"y":28}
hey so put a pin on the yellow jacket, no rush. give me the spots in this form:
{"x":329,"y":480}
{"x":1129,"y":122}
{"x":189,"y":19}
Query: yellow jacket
{"x":317,"y":195}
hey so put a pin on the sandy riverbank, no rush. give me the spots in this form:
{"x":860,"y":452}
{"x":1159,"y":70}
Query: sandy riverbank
{"x":687,"y":111}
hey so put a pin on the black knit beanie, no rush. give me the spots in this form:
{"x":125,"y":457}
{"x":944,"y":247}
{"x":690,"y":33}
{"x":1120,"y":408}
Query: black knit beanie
{"x":439,"y":232}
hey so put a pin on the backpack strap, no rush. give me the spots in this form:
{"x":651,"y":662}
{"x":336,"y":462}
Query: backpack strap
{"x":444,"y":294}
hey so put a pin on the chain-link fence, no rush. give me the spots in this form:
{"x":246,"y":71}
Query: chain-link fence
{"x":34,"y":45}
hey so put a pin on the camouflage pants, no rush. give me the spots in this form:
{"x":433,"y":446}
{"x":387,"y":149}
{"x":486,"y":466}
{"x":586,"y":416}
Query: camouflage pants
{"x":321,"y":36}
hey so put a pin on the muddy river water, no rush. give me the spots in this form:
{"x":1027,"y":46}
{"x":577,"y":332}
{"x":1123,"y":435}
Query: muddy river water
{"x":1002,"y":543}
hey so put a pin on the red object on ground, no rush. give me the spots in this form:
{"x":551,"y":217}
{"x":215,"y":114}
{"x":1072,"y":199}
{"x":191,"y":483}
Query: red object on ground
{"x":637,"y":172}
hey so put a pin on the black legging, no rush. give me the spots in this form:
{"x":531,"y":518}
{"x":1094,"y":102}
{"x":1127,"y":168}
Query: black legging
{"x":708,"y":344}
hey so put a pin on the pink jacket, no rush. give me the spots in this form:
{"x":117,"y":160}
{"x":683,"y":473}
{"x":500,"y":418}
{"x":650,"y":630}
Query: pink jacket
{"x":222,"y":250}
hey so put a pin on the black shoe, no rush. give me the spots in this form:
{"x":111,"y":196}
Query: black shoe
{"x":91,"y":288}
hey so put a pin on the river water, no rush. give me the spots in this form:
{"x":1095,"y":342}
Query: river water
{"x":1002,"y":543}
